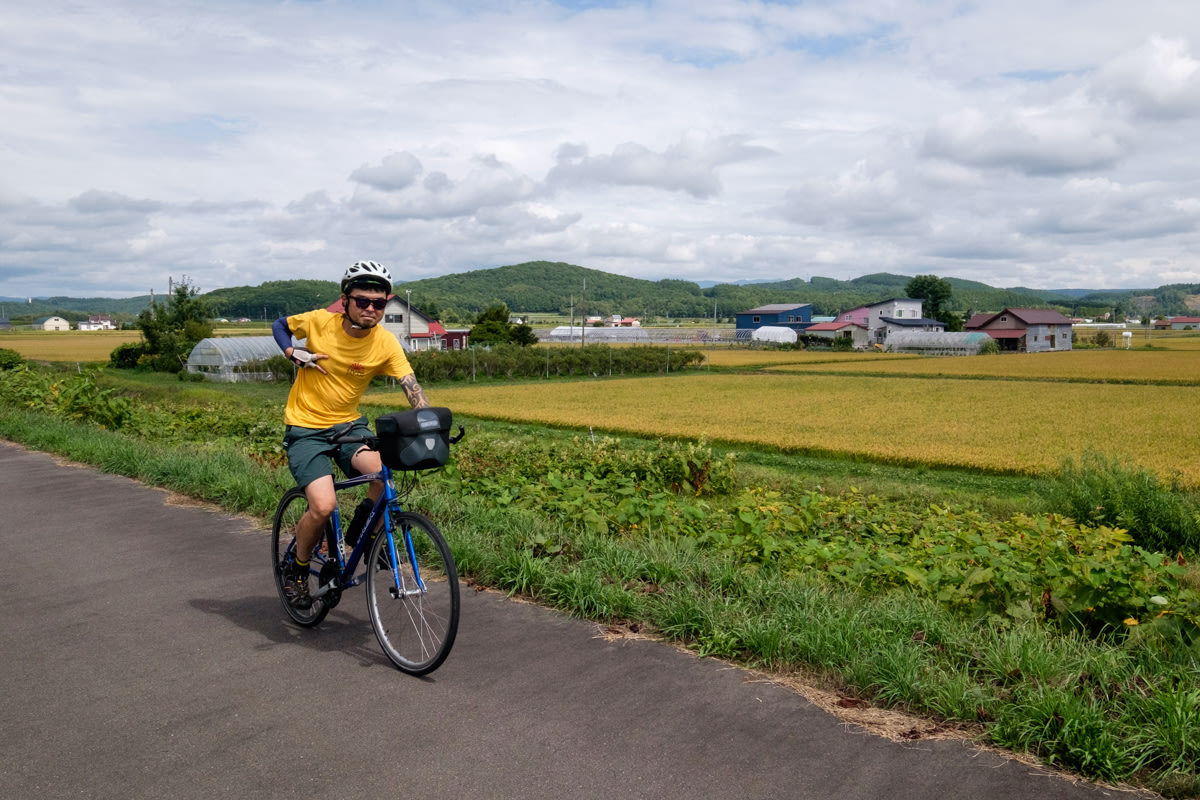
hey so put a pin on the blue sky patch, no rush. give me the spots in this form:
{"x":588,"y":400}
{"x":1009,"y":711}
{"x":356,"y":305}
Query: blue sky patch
{"x":1035,"y":75}
{"x":202,"y":129}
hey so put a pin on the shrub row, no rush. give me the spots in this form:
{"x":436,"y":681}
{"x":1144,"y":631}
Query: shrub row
{"x":512,"y":361}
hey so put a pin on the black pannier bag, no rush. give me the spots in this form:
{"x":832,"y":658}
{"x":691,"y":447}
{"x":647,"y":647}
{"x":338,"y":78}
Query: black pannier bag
{"x":415,"y":439}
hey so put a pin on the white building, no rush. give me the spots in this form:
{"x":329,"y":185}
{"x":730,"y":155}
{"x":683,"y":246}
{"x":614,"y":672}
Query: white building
{"x":97,"y":322}
{"x":51,"y":324}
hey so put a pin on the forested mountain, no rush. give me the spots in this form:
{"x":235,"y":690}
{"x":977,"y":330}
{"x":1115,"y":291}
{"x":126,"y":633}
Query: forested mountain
{"x":542,"y":287}
{"x":72,"y":309}
{"x":272,"y":299}
{"x":546,"y":287}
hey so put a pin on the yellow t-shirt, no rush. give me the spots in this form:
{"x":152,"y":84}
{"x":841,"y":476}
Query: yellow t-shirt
{"x":319,"y":400}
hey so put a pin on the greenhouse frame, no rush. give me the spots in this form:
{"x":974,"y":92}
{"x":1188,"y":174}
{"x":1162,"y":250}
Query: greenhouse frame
{"x":226,"y":359}
{"x":938,"y":343}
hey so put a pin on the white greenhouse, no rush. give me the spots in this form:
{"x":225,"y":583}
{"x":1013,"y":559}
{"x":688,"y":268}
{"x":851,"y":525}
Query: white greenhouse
{"x":775,"y":334}
{"x":938,"y":343}
{"x":573,"y":334}
{"x":233,"y":358}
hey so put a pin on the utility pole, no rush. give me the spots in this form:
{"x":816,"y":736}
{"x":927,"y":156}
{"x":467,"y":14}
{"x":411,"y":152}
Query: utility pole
{"x":408,"y":317}
{"x":582,"y":318}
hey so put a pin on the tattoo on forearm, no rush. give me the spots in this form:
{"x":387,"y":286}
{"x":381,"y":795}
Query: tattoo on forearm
{"x":412,"y":390}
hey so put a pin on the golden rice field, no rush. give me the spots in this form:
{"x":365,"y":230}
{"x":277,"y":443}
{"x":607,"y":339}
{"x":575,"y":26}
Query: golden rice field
{"x":1020,"y":427}
{"x":85,"y":346}
{"x":80,"y":346}
{"x":1134,"y":365}
{"x":757,"y":358}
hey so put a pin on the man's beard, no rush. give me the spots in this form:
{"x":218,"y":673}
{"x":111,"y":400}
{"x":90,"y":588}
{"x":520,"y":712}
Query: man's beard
{"x":362,"y":326}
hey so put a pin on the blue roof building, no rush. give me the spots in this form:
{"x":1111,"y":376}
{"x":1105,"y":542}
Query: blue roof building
{"x":796,"y":316}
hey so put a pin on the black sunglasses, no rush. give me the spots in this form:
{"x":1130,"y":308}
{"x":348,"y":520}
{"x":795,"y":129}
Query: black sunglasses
{"x":366,"y":302}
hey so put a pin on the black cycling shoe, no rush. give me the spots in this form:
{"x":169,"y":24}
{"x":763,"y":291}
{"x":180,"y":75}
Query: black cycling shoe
{"x":295,"y":589}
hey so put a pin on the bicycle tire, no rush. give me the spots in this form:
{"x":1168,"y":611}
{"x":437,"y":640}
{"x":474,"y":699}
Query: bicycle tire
{"x":416,"y":629}
{"x":291,"y":508}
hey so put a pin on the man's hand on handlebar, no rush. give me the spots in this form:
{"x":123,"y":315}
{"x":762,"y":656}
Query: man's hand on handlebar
{"x":303,"y":357}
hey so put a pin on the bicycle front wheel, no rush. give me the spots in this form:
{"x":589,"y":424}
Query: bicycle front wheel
{"x":413,"y":606}
{"x":283,"y":543}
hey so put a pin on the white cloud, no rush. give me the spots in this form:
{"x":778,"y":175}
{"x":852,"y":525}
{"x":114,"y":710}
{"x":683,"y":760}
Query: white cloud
{"x":239,"y":143}
{"x":398,"y":171}
{"x":1034,"y":141}
{"x":1161,"y":79}
{"x":687,"y":166}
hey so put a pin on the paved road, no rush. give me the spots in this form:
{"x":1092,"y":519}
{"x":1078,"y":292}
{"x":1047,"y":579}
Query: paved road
{"x":143,"y":654}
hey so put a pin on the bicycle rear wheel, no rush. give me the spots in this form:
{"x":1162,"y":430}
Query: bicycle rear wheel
{"x":283,"y":541}
{"x":414,"y":610}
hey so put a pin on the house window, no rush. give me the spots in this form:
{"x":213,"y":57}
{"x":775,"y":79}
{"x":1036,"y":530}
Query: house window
{"x":756,"y":318}
{"x":899,"y":312}
{"x":393,"y":319}
{"x":1004,"y":319}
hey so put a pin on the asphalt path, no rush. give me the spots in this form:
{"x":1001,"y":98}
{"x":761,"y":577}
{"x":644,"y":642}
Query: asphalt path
{"x":144,"y":654}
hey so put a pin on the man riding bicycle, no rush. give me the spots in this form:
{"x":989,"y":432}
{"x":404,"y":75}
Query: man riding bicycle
{"x":342,"y":353}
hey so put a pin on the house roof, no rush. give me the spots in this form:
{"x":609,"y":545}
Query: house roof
{"x":1030,"y":316}
{"x":907,"y":322}
{"x":892,"y":300}
{"x":775,"y":308}
{"x":834,"y":326}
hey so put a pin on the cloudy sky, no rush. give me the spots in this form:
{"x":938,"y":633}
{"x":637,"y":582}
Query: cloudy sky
{"x":1044,"y":143}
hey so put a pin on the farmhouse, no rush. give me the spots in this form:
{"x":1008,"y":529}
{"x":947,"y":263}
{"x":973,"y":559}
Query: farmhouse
{"x":1177,"y":324}
{"x":890,"y":325}
{"x":455,"y":338}
{"x":856,"y":332}
{"x":796,"y":316}
{"x":97,"y":322}
{"x":1025,"y":330}
{"x":51,"y":324}
{"x":899,"y":314}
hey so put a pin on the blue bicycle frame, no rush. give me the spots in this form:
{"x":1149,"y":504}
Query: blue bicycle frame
{"x":346,"y":566}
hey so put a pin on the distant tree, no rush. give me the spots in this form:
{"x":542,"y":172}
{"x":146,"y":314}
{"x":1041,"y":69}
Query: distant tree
{"x":172,"y":329}
{"x":954,"y":322}
{"x":492,"y":326}
{"x":523,"y":335}
{"x":935,"y":293}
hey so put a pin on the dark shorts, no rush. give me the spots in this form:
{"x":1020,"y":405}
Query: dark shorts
{"x":309,"y":451}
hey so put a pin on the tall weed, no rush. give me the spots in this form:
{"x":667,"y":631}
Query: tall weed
{"x":1101,"y":490}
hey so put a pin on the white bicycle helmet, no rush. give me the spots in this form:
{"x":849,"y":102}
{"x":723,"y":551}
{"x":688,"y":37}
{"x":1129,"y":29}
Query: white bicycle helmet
{"x":367,"y":274}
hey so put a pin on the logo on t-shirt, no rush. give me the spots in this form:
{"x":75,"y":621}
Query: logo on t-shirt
{"x":357,"y":369}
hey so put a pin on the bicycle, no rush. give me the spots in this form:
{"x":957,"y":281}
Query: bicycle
{"x":410,"y":576}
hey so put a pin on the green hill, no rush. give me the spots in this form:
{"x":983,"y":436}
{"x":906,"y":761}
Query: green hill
{"x":544,"y":287}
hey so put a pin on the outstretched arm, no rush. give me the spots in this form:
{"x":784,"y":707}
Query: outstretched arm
{"x":300,"y":356}
{"x":414,"y":393}
{"x":283,"y":335}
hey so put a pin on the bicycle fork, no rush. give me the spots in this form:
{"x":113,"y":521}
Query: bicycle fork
{"x":399,"y":588}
